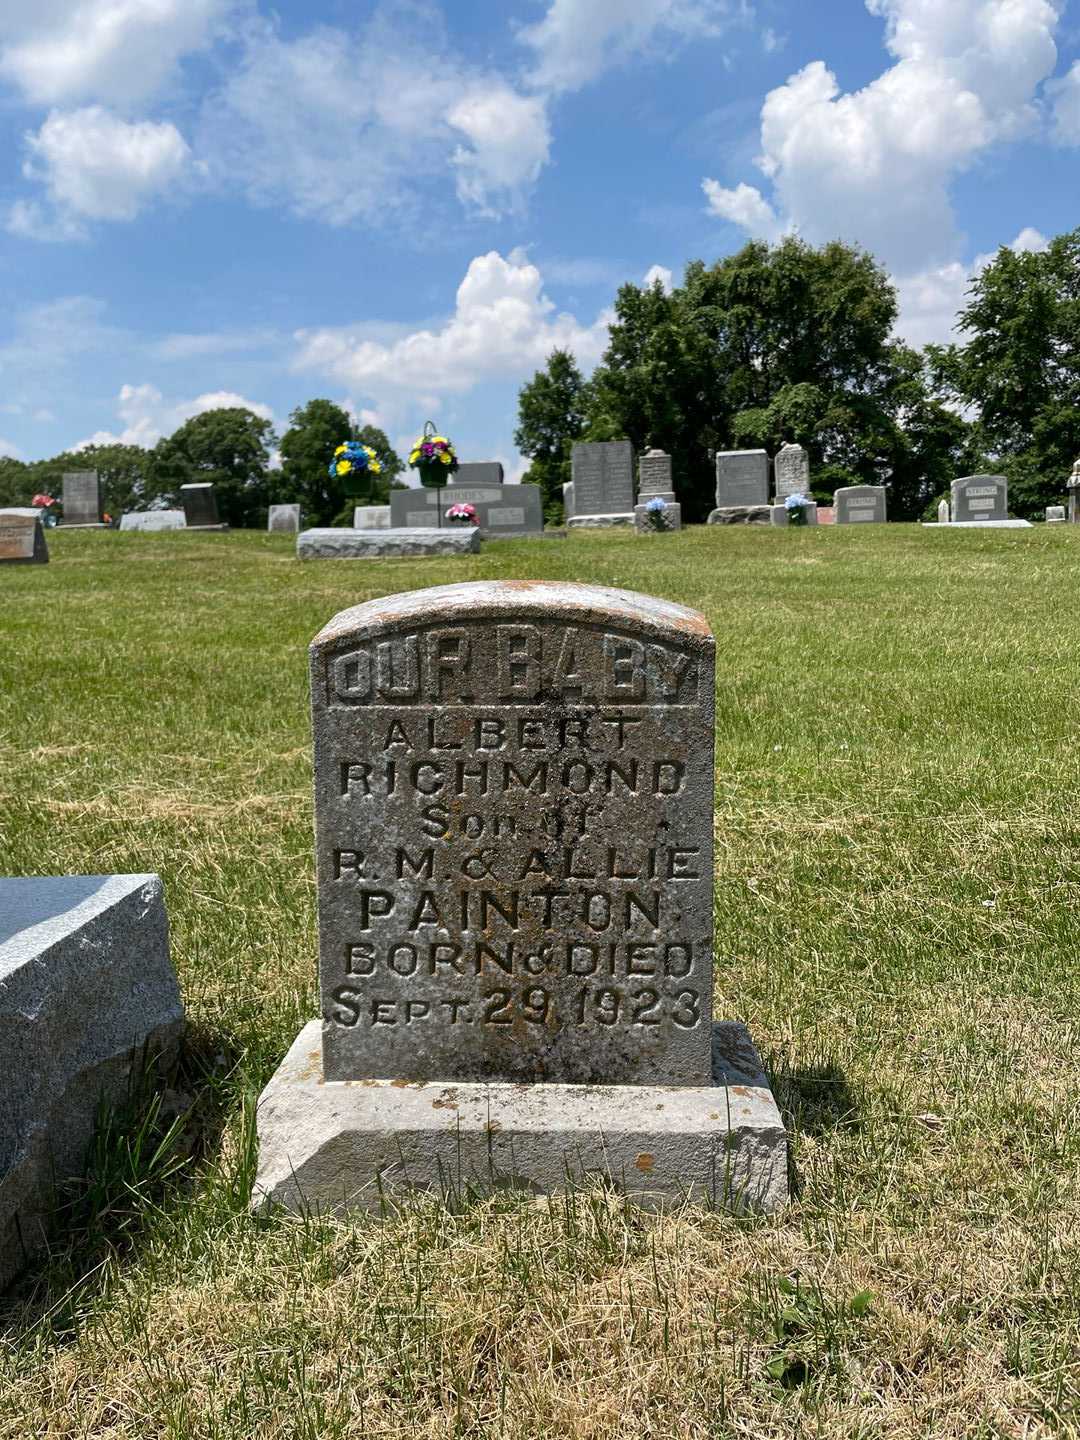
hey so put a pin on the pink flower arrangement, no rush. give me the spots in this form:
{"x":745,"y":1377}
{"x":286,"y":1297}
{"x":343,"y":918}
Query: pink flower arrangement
{"x":464,"y":514}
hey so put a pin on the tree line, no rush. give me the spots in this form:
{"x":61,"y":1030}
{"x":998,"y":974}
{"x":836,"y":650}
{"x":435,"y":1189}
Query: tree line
{"x":795,"y":343}
{"x":233,"y":449}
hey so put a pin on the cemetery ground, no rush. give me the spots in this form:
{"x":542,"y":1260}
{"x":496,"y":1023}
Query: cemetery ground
{"x":897,"y":919}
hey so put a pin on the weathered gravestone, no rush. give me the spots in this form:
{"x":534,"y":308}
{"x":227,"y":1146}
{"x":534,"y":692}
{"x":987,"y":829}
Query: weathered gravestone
{"x":980,"y":497}
{"x":371,"y":517}
{"x":502,"y":510}
{"x":860,"y":503}
{"x":568,"y":500}
{"x":477,"y":472}
{"x":943,"y":512}
{"x":153,"y":520}
{"x":200,"y":506}
{"x":603,"y":481}
{"x":1055,"y":515}
{"x":22,"y":537}
{"x":82,"y":499}
{"x":514,"y":812}
{"x":791,"y":473}
{"x":742,"y":488}
{"x":284,"y":518}
{"x":87,"y":993}
{"x":655,"y":485}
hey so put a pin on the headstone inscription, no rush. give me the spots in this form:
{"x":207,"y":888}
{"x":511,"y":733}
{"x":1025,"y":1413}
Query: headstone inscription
{"x":371,"y":517}
{"x":980,"y":497}
{"x":200,"y":505}
{"x":791,"y":473}
{"x":82,"y":498}
{"x":603,"y":480}
{"x":514,"y":798}
{"x":22,"y":537}
{"x":856,"y":504}
{"x":284,"y":518}
{"x":742,"y":478}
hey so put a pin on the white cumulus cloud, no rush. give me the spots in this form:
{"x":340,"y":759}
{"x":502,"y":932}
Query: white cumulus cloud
{"x":97,"y":166}
{"x":336,"y":125}
{"x":146,"y":415}
{"x":577,"y":39}
{"x":661,"y":273}
{"x":931,"y":299}
{"x":744,"y":205}
{"x":1065,"y":96}
{"x":502,"y":327}
{"x":874,"y":165}
{"x":67,"y":51}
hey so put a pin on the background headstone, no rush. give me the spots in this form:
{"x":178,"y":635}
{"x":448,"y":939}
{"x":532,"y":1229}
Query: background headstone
{"x":568,"y":500}
{"x":502,"y":510}
{"x":1055,"y":514}
{"x":86,"y":987}
{"x":603,"y":478}
{"x":153,"y":520}
{"x":980,"y":497}
{"x":284,"y":518}
{"x":778,"y":514}
{"x":742,"y":479}
{"x":860,"y":503}
{"x":82,"y":498}
{"x":200,"y":505}
{"x":22,"y":537}
{"x":654,"y":476}
{"x":943,"y":512}
{"x":371,"y":517}
{"x":477,"y":472}
{"x":791,"y":473}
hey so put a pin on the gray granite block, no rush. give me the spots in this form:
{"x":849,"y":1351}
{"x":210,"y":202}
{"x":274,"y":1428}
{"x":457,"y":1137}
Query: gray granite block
{"x":371,"y":517}
{"x":86,"y":988}
{"x":672,"y":513}
{"x":386,"y":544}
{"x":334,"y":1145}
{"x":153,"y":520}
{"x":284,"y":518}
{"x":778,"y":514}
{"x":741,"y":515}
{"x":601,"y":522}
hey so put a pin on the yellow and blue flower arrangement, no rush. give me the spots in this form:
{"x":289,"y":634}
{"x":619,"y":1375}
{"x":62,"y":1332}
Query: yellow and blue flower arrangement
{"x":434,"y":457}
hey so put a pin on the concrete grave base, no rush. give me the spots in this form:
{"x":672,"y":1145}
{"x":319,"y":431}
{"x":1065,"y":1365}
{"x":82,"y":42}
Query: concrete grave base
{"x":601,"y":522}
{"x":87,"y":991}
{"x":332,"y":1145}
{"x":672,"y":518}
{"x":82,"y":525}
{"x":779,"y":515}
{"x":386,"y":544}
{"x":741,"y":515}
{"x":977,"y":525}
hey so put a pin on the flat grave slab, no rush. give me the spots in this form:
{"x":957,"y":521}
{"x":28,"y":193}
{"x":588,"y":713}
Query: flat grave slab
{"x":334,"y":544}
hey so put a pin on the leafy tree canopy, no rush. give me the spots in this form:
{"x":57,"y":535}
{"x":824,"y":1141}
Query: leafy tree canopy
{"x":551,"y":416}
{"x":1017,"y":366}
{"x":228,"y":447}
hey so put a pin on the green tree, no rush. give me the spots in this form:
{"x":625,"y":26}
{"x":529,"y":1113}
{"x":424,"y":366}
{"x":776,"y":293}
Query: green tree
{"x":774,"y":343}
{"x":1017,"y":366}
{"x":551,"y":416}
{"x":307,"y":448}
{"x":228,"y":447}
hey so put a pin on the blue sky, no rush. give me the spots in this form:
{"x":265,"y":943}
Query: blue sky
{"x":405,"y":205}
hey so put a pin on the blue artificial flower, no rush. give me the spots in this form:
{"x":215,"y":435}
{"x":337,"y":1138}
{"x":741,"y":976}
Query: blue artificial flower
{"x":795,"y":502}
{"x":656,"y":504}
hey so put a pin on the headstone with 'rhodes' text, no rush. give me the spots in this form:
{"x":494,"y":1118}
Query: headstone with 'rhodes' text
{"x":514,"y":822}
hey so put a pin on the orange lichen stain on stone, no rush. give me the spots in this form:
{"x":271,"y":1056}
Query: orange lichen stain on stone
{"x":444,"y":1104}
{"x":645,"y":1163}
{"x":740,"y":1090}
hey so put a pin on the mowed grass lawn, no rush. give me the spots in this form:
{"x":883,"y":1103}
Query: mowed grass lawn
{"x":897,"y":919}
